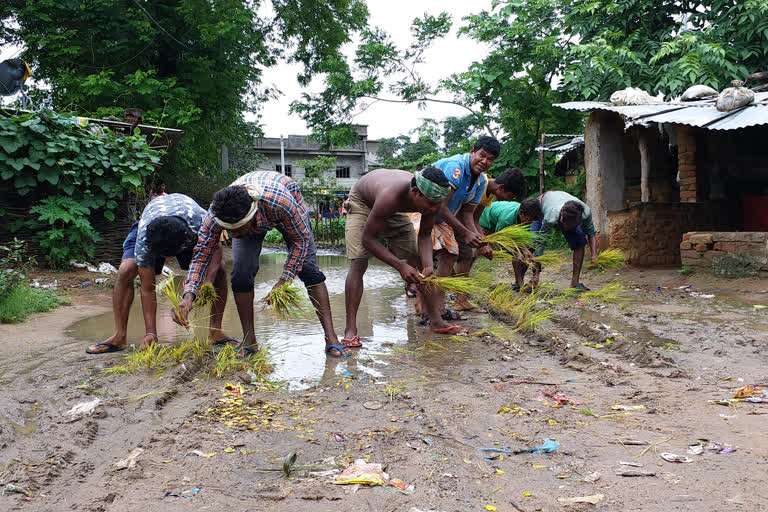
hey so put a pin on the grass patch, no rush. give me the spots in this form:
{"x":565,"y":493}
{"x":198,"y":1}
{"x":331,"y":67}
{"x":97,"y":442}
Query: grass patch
{"x":23,"y":300}
{"x":685,"y":270}
{"x":392,"y":391}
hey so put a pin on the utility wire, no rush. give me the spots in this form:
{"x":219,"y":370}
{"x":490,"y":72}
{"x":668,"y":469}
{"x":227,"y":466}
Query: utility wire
{"x":158,"y":25}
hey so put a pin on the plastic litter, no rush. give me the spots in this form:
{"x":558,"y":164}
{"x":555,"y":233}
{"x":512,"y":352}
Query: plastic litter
{"x":548,"y":447}
{"x":130,"y":461}
{"x":81,"y":410}
{"x":751,"y":393}
{"x":365,"y":473}
{"x":12,"y":489}
{"x":189,"y":493}
{"x":620,"y":407}
{"x":673,"y":457}
{"x":101,"y":280}
{"x":709,"y":446}
{"x":582,"y":499}
{"x":85,"y":284}
{"x":627,"y":463}
{"x":591,"y":477}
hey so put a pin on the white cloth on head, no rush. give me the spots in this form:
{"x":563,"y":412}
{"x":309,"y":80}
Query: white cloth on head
{"x":255,"y":192}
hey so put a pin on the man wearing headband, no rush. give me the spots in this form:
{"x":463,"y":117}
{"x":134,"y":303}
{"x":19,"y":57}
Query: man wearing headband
{"x":255,"y":203}
{"x":167,"y":227}
{"x":377,"y":210}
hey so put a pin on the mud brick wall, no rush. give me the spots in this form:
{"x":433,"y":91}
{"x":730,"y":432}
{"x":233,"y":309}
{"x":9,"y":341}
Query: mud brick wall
{"x":650,"y":233}
{"x":729,"y":254}
{"x":686,"y":159}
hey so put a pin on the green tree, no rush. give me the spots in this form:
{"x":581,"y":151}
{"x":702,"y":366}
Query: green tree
{"x":190,"y":64}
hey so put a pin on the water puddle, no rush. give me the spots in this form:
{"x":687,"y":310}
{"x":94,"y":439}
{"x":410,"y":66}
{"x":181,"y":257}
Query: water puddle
{"x":612,"y":324}
{"x":297,"y":346}
{"x":29,"y":426}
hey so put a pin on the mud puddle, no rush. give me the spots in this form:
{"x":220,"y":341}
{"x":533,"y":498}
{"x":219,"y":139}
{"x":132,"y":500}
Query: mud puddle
{"x":296,"y":346}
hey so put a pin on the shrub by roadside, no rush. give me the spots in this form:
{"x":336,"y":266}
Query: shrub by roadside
{"x":24,"y":300}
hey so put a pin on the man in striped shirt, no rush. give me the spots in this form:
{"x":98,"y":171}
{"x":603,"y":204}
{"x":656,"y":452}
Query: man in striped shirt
{"x":255,"y":203}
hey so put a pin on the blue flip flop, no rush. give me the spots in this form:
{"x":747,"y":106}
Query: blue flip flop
{"x":226,"y":341}
{"x":339,"y":348}
{"x":110,"y":348}
{"x":247,"y":349}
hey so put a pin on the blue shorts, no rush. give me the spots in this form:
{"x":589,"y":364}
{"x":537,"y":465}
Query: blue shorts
{"x":576,"y":238}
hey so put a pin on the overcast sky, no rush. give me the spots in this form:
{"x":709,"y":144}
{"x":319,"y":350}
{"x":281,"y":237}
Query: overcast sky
{"x":449,"y":55}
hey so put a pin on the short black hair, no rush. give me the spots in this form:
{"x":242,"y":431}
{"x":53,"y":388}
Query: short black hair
{"x":230,"y":204}
{"x":433,"y":174}
{"x":159,"y":182}
{"x":168,"y":235}
{"x":489,"y":144}
{"x":513,"y":181}
{"x":531,"y":208}
{"x":570,"y":214}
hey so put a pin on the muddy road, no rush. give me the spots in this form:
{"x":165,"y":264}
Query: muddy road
{"x":616,"y":385}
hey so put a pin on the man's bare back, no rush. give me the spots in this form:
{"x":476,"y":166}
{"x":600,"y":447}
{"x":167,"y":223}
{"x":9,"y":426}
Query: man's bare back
{"x":389,"y":185}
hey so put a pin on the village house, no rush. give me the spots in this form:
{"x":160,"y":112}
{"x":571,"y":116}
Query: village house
{"x":351,"y":161}
{"x":680,"y":183}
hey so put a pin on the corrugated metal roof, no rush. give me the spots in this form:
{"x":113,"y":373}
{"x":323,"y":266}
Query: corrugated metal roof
{"x":563,"y":146}
{"x":702,"y":114}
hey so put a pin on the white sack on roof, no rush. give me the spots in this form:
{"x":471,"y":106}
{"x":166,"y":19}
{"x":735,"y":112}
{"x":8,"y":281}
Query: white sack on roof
{"x":696,"y":92}
{"x":734,"y":97}
{"x":635,"y":96}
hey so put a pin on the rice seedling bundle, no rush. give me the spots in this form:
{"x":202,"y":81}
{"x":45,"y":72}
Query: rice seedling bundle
{"x":512,"y":239}
{"x":171,"y":289}
{"x":206,"y":295}
{"x":609,"y":258}
{"x":611,"y":292}
{"x":503,"y":256}
{"x":288,"y":302}
{"x":471,"y":286}
{"x":549,"y":259}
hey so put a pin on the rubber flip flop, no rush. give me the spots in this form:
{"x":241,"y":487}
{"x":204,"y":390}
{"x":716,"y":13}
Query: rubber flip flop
{"x":110,"y":348}
{"x":410,"y":293}
{"x":247,"y":349}
{"x":581,"y":287}
{"x":339,"y":348}
{"x":424,"y":319}
{"x":353,"y":342}
{"x":451,"y":315}
{"x":226,"y":341}
{"x":451,"y":329}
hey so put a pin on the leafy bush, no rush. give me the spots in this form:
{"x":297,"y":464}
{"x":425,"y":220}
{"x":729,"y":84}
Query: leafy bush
{"x":76,"y":171}
{"x":23,"y":300}
{"x":274,"y":237}
{"x":66,"y":233}
{"x":13,"y":262}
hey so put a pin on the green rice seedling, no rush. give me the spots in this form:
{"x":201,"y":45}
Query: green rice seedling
{"x":470,"y":286}
{"x":499,"y":255}
{"x":609,"y":258}
{"x":512,"y":239}
{"x":287,"y":302}
{"x":206,"y":295}
{"x":611,"y":292}
{"x":500,"y":331}
{"x":501,"y":297}
{"x":588,"y":412}
{"x":172,"y":289}
{"x":530,"y":321}
{"x":226,"y":362}
{"x":551,"y":259}
{"x":458,"y":339}
{"x":392,"y":391}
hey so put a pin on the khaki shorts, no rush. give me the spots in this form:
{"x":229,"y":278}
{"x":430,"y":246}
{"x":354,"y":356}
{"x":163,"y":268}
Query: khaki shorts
{"x":398,"y":234}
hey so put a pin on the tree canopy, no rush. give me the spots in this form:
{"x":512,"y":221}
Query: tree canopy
{"x":190,"y":64}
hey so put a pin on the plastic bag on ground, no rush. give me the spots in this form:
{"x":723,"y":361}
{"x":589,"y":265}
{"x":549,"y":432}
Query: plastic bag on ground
{"x":81,"y":410}
{"x":361,"y":472}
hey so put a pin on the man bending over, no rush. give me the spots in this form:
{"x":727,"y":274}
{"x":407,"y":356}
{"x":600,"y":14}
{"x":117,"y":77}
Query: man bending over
{"x":378,"y":206}
{"x":255,"y":203}
{"x":167,"y":227}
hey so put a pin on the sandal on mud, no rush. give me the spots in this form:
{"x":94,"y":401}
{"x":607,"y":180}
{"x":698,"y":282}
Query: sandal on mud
{"x":515,"y":287}
{"x":339,"y":348}
{"x":410,"y":293}
{"x":353,"y":342}
{"x":581,"y":287}
{"x":110,"y":348}
{"x":451,"y":329}
{"x":226,"y":341}
{"x":249,"y":352}
{"x":451,"y":316}
{"x":424,"y":319}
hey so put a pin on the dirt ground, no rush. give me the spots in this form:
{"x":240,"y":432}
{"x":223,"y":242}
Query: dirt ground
{"x":612,"y":407}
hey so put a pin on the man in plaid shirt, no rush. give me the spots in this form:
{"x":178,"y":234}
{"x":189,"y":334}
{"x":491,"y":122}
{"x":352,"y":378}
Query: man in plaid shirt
{"x":255,"y":203}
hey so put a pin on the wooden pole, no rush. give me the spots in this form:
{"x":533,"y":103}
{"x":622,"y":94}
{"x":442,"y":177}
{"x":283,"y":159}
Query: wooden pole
{"x":645,"y":166}
{"x":541,"y":166}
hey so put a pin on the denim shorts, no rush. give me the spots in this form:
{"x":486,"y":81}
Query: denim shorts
{"x":576,"y":238}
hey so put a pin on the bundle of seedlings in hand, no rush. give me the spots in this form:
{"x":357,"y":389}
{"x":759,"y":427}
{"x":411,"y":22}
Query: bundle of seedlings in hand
{"x":469,"y":286}
{"x":287,"y":302}
{"x":206,"y":295}
{"x":172,"y":289}
{"x":503,"y":256}
{"x":512,"y":239}
{"x":609,"y":258}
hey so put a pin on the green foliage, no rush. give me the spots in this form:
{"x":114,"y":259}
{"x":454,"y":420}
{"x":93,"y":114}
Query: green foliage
{"x":273,"y":236}
{"x":190,"y":64}
{"x":13,"y":265}
{"x":685,"y":270}
{"x":77,"y":171}
{"x":22,"y":301}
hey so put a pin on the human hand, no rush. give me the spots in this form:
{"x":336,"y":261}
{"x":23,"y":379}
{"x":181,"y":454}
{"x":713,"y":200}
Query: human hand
{"x":181,"y":314}
{"x":473,"y":239}
{"x":485,"y":250}
{"x":428,"y":271}
{"x":409,"y":274}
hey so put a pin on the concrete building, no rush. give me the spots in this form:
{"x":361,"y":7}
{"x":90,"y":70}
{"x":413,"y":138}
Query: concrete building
{"x":675,"y":183}
{"x":351,"y":161}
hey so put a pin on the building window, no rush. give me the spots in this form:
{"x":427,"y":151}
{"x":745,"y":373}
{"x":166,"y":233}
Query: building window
{"x":342,"y":172}
{"x":288,"y":171}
